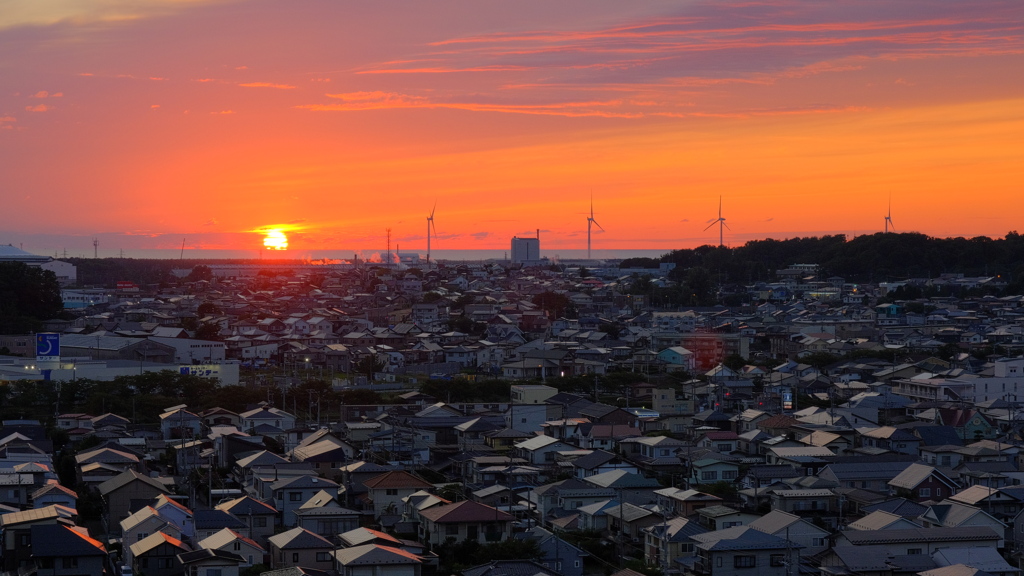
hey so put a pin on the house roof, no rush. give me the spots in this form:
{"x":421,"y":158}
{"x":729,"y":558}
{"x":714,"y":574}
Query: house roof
{"x":36,"y":514}
{"x":225,"y":537}
{"x":397,"y":479}
{"x":621,"y":479}
{"x":127,"y":477}
{"x":299,"y":538}
{"x":361,"y":536}
{"x":156,"y":539}
{"x":57,"y":540}
{"x":510,"y":568}
{"x":915,"y":474}
{"x":741,"y":538}
{"x":209,"y":554}
{"x":375,"y":555}
{"x":877,"y":520}
{"x":246,"y":505}
{"x":53,"y":488}
{"x":465,"y":511}
{"x":775,"y":521}
{"x":963,"y":533}
{"x":207,"y":519}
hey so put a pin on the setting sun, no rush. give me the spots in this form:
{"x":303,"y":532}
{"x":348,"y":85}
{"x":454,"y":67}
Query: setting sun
{"x":275,"y":239}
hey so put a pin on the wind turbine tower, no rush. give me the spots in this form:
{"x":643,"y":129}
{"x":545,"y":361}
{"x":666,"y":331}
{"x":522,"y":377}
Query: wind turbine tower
{"x":590,"y":223}
{"x":888,"y":218}
{"x":430,"y":227}
{"x":721,"y":224}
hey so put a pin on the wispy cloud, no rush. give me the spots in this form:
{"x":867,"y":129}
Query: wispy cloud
{"x":267,"y":85}
{"x":38,"y":108}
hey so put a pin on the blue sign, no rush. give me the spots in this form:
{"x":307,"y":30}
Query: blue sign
{"x":48,"y":346}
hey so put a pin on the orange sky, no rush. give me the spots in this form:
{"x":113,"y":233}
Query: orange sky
{"x":151,"y":121}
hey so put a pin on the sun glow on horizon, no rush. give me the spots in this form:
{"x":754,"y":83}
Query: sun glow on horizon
{"x":275,"y":239}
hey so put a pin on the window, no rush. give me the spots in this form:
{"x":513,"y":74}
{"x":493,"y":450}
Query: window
{"x":777,"y":560}
{"x":817,"y":542}
{"x":709,"y":475}
{"x":938,"y":492}
{"x":451,"y":530}
{"x":142,"y":535}
{"x":924,"y":492}
{"x":323,"y":556}
{"x":295,"y":496}
{"x":261,"y":522}
{"x":744,"y":561}
{"x":392,"y":492}
{"x":913,"y":550}
{"x":295,"y":556}
{"x":237,"y":545}
{"x":213,"y":572}
{"x":718,"y":562}
{"x":70,"y":562}
{"x":729,"y":474}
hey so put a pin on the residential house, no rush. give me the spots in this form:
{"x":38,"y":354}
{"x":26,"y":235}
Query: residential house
{"x":259,"y":517}
{"x":67,"y":551}
{"x":813,"y":539}
{"x":465,"y":520}
{"x":227,"y":540}
{"x":119,"y":491}
{"x":668,"y":542}
{"x":292,"y":493}
{"x":300,"y":547}
{"x":386,"y":491}
{"x":157,"y":555}
{"x":210,"y":562}
{"x":376,"y":560}
{"x":921,"y":482}
{"x":743,"y":550}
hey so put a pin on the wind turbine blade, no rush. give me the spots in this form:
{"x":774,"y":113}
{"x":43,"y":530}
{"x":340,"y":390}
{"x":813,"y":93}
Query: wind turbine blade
{"x":891,"y":225}
{"x":710,"y":225}
{"x":726,"y":225}
{"x":719,"y":207}
{"x":434,"y":228}
{"x":598,"y":225}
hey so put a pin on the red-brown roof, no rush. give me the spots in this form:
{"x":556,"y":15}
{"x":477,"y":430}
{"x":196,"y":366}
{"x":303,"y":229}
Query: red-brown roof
{"x":778,"y":421}
{"x":465,"y":511}
{"x":397,"y":479}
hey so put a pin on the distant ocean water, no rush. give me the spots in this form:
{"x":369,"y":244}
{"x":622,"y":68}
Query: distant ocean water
{"x":455,"y":255}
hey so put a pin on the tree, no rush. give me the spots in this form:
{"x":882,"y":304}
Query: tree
{"x":370,"y":365}
{"x":28,"y":295}
{"x":552,"y":302}
{"x":208,"y":331}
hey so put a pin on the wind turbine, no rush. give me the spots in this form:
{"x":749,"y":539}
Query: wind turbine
{"x":430,"y":226}
{"x":590,"y":223}
{"x":888,"y":218}
{"x":721,"y":224}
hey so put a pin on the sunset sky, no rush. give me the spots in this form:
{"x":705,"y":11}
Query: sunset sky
{"x":146,"y":122}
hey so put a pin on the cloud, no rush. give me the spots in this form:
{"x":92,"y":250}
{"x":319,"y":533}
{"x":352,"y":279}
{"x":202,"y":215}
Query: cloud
{"x":40,"y":94}
{"x":38,"y":108}
{"x":354,"y":101}
{"x":223,"y":112}
{"x":480,"y":235}
{"x":154,"y":106}
{"x":267,"y":85}
{"x":6,"y":121}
